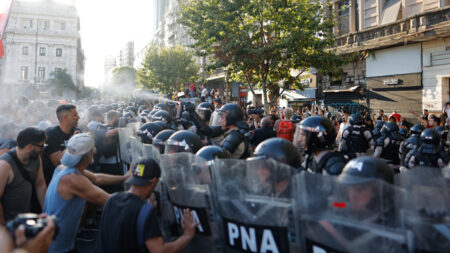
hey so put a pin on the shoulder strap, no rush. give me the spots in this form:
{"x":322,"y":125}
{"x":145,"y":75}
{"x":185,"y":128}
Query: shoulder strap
{"x":145,"y":211}
{"x":22,"y":171}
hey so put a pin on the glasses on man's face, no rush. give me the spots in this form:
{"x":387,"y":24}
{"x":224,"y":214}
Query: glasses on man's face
{"x":40,"y":146}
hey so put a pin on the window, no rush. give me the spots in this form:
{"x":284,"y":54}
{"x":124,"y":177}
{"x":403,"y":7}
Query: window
{"x":63,"y":25}
{"x":41,"y":73}
{"x":24,"y":73}
{"x":25,"y":50}
{"x":59,"y":52}
{"x":27,"y":23}
{"x":42,"y":51}
{"x":44,"y":24}
{"x":344,"y":21}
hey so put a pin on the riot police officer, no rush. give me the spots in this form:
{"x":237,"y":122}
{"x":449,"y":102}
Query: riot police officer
{"x":159,"y":141}
{"x":317,"y":135}
{"x":228,"y":135}
{"x":148,"y":131}
{"x":280,"y":150}
{"x":388,"y":145}
{"x":356,"y":139}
{"x":360,"y":177}
{"x":429,"y":154}
{"x":183,"y":141}
{"x":377,"y":130}
{"x":409,"y":144}
{"x":211,"y":152}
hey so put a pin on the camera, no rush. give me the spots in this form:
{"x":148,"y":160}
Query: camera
{"x":33,"y":224}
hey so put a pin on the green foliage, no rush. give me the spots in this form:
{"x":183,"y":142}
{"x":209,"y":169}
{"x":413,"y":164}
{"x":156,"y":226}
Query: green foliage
{"x":61,"y":79}
{"x":167,"y":69}
{"x":261,"y":41}
{"x":124,"y":77}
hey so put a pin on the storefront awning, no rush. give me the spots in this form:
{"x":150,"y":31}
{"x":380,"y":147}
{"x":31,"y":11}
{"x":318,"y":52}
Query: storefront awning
{"x":307,"y":94}
{"x":351,"y":89}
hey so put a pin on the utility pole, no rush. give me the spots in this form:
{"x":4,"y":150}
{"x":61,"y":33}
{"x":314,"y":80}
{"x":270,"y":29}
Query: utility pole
{"x":36,"y":53}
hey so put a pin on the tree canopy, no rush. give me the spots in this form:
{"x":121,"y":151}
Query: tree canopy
{"x":60,"y":80}
{"x":262,"y":41}
{"x":124,"y":76}
{"x":167,"y":69}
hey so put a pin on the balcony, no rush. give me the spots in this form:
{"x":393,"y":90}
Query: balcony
{"x":422,"y":27}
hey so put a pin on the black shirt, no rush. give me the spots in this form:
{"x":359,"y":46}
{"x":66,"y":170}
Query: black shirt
{"x":118,"y":231}
{"x":262,"y":134}
{"x":56,"y":141}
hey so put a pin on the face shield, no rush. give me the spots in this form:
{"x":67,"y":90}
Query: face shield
{"x":301,"y":138}
{"x":173,"y":147}
{"x":159,"y":145}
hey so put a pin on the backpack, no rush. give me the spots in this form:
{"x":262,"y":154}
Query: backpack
{"x":286,"y":130}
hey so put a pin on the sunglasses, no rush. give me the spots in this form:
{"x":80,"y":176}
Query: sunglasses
{"x":40,"y":146}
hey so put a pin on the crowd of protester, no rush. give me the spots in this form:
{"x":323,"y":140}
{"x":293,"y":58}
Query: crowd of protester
{"x":62,"y":158}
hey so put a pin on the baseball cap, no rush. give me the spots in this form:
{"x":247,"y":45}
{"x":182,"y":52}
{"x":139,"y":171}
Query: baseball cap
{"x":77,"y":146}
{"x":144,"y":171}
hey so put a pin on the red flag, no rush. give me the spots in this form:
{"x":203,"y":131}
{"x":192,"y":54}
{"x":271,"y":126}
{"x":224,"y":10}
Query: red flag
{"x":3,"y":23}
{"x":2,"y":50}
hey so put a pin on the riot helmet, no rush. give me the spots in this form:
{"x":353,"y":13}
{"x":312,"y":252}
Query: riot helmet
{"x":148,"y":131}
{"x":404,"y":132}
{"x":142,"y":108}
{"x":389,"y":129}
{"x":233,"y":112}
{"x":153,"y":112}
{"x":366,"y":169}
{"x":162,"y":124}
{"x":161,"y":106}
{"x":295,"y":119}
{"x":159,"y":141}
{"x":356,"y":119}
{"x":162,"y":116}
{"x":211,"y":152}
{"x":183,"y":141}
{"x":430,"y":140}
{"x":280,"y":150}
{"x":315,"y":133}
{"x":417,"y":129}
{"x":204,"y":110}
{"x":132,"y":109}
{"x":442,"y":132}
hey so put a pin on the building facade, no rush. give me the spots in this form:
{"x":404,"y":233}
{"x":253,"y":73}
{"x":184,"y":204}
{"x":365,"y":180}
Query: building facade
{"x":41,"y":37}
{"x":126,"y":55}
{"x":403,"y":49}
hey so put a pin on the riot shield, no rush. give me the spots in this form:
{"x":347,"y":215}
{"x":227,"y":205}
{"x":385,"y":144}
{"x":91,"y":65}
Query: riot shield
{"x":124,"y":140}
{"x":426,"y":208}
{"x":254,"y":204}
{"x":149,"y":151}
{"x":188,"y":182}
{"x":351,"y":216}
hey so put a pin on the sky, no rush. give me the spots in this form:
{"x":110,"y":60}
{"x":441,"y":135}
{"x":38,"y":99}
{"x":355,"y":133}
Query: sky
{"x":106,"y":25}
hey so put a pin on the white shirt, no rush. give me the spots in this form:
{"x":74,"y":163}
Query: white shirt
{"x":204,"y":92}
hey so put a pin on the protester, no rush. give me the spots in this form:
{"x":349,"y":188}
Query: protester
{"x":22,"y":184}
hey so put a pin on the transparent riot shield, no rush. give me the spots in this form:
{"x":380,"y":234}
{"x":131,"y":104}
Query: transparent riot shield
{"x":188,"y":182}
{"x":254,"y":203}
{"x":136,"y":149}
{"x":425,"y":209}
{"x":124,"y":140}
{"x":149,"y":151}
{"x":347,"y":216}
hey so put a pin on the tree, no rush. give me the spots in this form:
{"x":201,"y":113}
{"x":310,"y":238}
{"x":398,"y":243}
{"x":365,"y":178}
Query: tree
{"x":262,"y":41}
{"x":60,"y":80}
{"x":167,"y":69}
{"x":124,"y":77}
